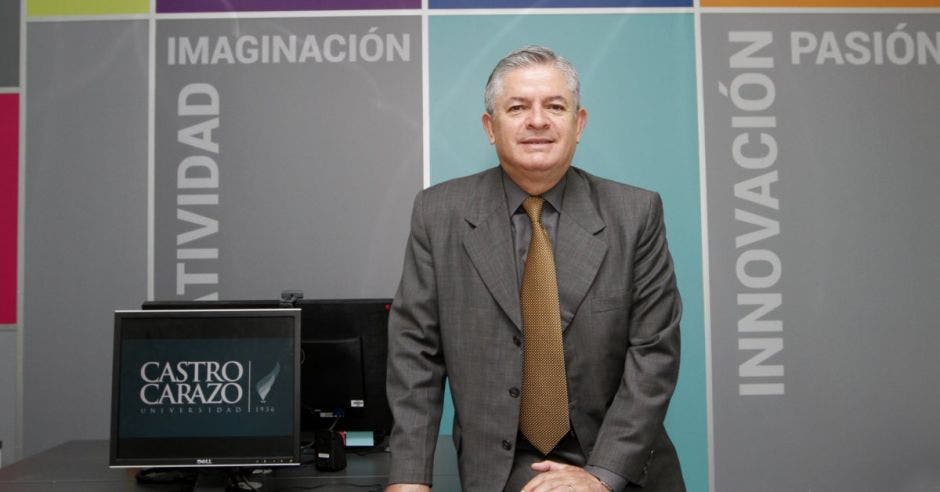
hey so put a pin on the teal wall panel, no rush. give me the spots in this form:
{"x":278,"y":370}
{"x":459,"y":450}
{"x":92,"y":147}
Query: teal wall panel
{"x":638,"y":86}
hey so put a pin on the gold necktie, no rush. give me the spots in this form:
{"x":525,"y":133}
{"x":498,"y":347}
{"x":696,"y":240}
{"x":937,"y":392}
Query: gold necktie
{"x":543,"y":418}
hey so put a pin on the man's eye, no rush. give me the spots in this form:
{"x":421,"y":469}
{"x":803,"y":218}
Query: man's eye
{"x":515,"y":109}
{"x":556,"y":107}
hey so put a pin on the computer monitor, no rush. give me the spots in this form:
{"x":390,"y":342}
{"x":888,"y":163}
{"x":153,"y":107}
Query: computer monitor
{"x":218,"y":304}
{"x":345,"y":352}
{"x":206,"y":388}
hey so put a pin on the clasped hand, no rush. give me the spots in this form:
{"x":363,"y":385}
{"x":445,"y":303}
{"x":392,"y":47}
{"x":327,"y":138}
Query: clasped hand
{"x":559,"y":477}
{"x":553,"y":476}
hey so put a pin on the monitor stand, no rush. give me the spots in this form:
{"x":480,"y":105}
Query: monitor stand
{"x":224,"y":479}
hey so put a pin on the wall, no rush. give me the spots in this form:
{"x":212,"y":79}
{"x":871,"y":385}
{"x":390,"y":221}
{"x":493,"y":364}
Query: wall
{"x":85,"y":209}
{"x":822,"y":250}
{"x":793,"y":143}
{"x":10,"y":223}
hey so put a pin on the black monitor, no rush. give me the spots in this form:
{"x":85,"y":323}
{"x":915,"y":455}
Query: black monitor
{"x":206,"y":388}
{"x":345,"y":349}
{"x":242,"y":304}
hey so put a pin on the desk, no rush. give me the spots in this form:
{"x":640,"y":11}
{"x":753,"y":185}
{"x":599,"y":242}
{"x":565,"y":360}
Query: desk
{"x":82,"y":466}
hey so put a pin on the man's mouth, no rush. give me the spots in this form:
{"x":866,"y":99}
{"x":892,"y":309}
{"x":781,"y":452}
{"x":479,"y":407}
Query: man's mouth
{"x":537,"y":141}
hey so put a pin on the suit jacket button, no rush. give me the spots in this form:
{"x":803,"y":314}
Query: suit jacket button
{"x":514,"y":392}
{"x":507,"y":445}
{"x":516,"y":340}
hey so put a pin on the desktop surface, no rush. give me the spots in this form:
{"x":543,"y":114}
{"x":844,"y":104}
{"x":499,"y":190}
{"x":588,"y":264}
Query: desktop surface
{"x":83,"y":466}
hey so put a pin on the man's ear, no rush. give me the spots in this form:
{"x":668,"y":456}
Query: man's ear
{"x":488,"y":127}
{"x":582,"y":122}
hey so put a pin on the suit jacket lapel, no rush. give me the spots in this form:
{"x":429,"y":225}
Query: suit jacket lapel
{"x":581,"y":246}
{"x":489,"y":244}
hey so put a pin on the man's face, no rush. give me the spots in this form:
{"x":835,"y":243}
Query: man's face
{"x":535,"y":125}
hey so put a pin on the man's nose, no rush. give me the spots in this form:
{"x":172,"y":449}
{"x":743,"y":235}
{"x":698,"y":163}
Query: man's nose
{"x":538,"y":118}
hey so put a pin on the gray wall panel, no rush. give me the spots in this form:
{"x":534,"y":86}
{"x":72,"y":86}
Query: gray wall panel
{"x":10,"y":43}
{"x":317,"y":162}
{"x":857,"y":241}
{"x":7,"y":394}
{"x":86,"y":218}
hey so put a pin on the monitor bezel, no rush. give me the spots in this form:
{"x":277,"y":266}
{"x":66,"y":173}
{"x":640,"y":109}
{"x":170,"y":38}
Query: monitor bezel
{"x":292,"y":458}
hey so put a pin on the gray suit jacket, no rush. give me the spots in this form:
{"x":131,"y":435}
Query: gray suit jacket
{"x":457,"y":314}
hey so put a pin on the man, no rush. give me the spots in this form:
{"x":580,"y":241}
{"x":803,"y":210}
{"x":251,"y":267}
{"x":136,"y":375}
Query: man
{"x":523,"y":274}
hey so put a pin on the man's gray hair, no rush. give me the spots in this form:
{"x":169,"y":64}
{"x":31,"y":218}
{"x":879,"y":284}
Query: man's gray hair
{"x":528,"y":56}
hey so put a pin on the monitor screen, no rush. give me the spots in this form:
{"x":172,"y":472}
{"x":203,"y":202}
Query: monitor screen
{"x":202,"y":388}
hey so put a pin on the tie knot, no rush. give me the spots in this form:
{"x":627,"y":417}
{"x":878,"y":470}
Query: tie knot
{"x":533,"y":208}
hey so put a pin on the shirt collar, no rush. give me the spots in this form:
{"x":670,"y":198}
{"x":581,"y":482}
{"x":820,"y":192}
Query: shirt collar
{"x":515,"y":196}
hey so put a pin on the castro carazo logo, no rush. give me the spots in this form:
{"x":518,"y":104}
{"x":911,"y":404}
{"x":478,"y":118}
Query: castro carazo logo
{"x":192,"y":383}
